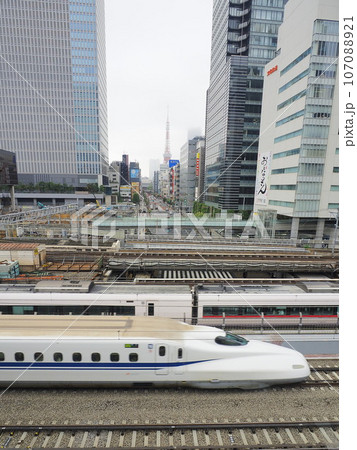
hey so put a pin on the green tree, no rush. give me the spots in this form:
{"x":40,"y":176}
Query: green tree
{"x":136,"y":198}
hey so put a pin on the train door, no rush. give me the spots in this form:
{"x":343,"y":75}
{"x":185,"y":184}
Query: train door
{"x":162,"y":358}
{"x":179,"y":367}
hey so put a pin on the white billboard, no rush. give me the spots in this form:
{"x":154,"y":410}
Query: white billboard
{"x":261,"y":186}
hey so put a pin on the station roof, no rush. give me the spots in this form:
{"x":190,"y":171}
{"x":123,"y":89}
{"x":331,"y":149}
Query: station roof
{"x":19,"y":246}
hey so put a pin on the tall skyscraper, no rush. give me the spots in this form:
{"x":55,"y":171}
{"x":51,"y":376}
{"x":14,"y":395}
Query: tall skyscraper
{"x":244,"y":37}
{"x":154,"y":165}
{"x":298,"y":168}
{"x":124,"y":172}
{"x":188,"y":166}
{"x":53,"y":89}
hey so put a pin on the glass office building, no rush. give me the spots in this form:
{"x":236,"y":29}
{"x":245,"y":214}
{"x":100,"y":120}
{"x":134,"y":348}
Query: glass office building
{"x":244,"y":39}
{"x":53,"y":90}
{"x":298,"y":170}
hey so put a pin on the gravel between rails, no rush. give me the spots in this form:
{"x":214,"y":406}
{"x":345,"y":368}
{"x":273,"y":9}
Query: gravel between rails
{"x":165,"y":405}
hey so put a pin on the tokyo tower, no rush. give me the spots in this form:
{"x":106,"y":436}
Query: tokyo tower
{"x":167,"y":153}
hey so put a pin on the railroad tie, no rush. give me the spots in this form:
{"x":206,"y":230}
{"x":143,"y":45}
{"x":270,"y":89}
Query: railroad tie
{"x":22,"y":438}
{"x":109,"y":437}
{"x":335,"y":434}
{"x":266,"y":434}
{"x":134,"y":435}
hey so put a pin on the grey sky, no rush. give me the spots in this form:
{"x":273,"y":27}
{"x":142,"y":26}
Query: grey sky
{"x":158,"y":56}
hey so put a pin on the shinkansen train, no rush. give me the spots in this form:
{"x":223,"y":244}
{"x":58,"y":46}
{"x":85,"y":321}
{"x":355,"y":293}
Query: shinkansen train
{"x":83,"y":351}
{"x":203,"y":304}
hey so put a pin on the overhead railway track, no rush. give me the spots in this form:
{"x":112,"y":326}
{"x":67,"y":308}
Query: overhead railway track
{"x":167,"y":259}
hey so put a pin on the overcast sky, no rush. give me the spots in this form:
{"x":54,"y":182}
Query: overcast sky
{"x":158,"y":57}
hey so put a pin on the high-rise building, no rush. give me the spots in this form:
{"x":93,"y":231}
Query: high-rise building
{"x":124,"y":171}
{"x":200,"y":169}
{"x":298,"y":169}
{"x":154,"y":165}
{"x":53,"y":90}
{"x":156,"y":181}
{"x":244,"y":37}
{"x":114,"y":176}
{"x":188,"y":163}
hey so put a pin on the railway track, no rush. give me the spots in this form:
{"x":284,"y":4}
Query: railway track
{"x":287,"y":434}
{"x":195,"y":254}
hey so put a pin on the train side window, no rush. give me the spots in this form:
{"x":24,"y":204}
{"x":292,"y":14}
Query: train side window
{"x":57,"y":357}
{"x":114,"y":357}
{"x":38,"y":356}
{"x":151,"y":309}
{"x":2,"y":356}
{"x":19,"y":356}
{"x":77,"y":357}
{"x":133,"y":357}
{"x":95,"y":357}
{"x":179,"y":353}
{"x":162,"y":350}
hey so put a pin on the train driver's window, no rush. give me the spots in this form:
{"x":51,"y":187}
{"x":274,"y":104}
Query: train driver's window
{"x":38,"y":356}
{"x":133,"y":357}
{"x":2,"y":356}
{"x":231,"y":339}
{"x":95,"y":357}
{"x":114,"y":357}
{"x":57,"y":357}
{"x":19,"y":356}
{"x":77,"y":357}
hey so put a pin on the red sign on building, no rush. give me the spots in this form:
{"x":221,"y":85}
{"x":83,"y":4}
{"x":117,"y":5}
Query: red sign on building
{"x":272,"y":70}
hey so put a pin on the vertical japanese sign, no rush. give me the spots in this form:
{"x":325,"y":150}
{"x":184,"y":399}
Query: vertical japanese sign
{"x":263,"y":170}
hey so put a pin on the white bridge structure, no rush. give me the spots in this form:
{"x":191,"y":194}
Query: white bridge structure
{"x":36,"y":214}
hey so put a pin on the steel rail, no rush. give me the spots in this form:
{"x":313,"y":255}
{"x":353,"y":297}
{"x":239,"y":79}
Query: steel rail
{"x":171,"y":427}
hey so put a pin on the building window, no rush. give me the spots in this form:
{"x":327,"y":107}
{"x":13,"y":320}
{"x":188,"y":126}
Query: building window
{"x":307,"y":206}
{"x":326,"y":27}
{"x":285,"y":170}
{"x":321,"y":91}
{"x":316,"y":131}
{"x":280,"y":203}
{"x":291,"y":99}
{"x":296,"y":61}
{"x":294,"y":80}
{"x":290,"y":118}
{"x":283,"y":187}
{"x":293,"y":151}
{"x":291,"y":135}
{"x":326,"y":48}
{"x":311,"y":169}
{"x":309,"y":188}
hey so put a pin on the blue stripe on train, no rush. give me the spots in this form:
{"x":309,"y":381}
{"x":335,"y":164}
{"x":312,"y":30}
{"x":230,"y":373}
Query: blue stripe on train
{"x":94,"y":365}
